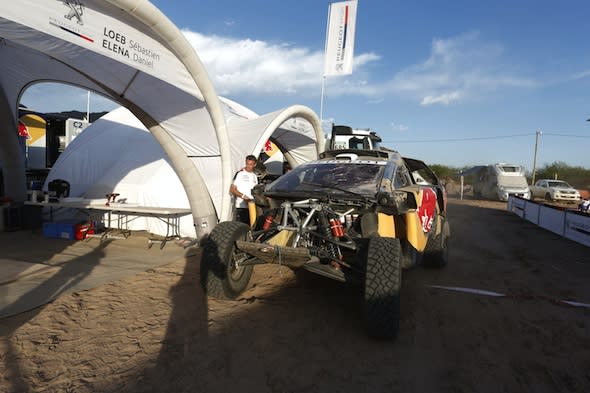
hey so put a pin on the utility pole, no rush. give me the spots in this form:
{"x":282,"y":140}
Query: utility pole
{"x":538,"y":133}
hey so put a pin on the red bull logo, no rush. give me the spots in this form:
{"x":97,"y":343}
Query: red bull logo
{"x":427,"y":209}
{"x":23,"y":130}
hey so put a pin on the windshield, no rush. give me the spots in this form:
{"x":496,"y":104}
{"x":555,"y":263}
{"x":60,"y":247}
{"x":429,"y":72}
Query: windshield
{"x":336,"y":177}
{"x":560,"y":184}
{"x":510,"y":168}
{"x":512,"y":181}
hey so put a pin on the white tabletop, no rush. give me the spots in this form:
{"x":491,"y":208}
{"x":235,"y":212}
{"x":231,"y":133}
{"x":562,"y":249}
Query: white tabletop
{"x":113,"y":207}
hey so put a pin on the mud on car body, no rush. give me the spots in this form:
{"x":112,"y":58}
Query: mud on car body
{"x":356,"y":216}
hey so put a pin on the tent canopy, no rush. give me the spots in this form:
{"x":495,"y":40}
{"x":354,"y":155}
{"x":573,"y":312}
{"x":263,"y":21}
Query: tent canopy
{"x":130,"y":52}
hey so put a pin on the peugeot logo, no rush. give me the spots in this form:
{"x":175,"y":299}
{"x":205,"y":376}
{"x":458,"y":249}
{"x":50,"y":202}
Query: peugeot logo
{"x":76,"y":10}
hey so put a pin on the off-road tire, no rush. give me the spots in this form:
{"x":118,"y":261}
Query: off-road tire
{"x":436,"y":253}
{"x":382,"y":284}
{"x":219,"y":277}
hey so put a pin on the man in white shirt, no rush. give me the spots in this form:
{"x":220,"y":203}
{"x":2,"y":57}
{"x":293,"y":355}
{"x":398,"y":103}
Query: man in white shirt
{"x":244,"y":180}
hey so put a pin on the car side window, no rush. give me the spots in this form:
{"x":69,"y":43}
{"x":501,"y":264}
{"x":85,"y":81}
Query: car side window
{"x":401,"y":177}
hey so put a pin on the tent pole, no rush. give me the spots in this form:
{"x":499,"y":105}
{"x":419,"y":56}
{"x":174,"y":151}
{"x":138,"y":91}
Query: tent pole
{"x":13,"y":163}
{"x":183,"y":50}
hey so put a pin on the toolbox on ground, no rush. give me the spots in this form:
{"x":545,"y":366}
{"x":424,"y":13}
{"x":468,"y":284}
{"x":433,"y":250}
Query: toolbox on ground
{"x":67,"y":229}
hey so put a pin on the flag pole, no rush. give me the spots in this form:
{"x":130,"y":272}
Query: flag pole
{"x":339,"y":47}
{"x":322,"y":100}
{"x":324,"y":70}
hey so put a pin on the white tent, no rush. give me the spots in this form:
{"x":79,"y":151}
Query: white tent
{"x":136,"y":167}
{"x":130,"y":52}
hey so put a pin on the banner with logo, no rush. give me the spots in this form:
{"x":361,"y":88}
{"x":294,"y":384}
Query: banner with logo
{"x":86,"y":24}
{"x":339,"y":52}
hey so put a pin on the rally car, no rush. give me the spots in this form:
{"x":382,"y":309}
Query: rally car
{"x":356,"y":216}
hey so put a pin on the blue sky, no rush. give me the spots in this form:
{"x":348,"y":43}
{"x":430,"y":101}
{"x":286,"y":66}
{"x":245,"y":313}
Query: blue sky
{"x":455,"y":83}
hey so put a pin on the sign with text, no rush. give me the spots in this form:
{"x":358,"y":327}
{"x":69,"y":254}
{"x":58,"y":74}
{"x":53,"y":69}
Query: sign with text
{"x":339,"y":54}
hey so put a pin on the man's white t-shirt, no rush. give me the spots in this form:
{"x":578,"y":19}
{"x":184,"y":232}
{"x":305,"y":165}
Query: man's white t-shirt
{"x":244,"y":182}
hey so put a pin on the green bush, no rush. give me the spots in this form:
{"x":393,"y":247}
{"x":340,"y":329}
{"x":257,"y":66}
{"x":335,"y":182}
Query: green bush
{"x":577,"y":176}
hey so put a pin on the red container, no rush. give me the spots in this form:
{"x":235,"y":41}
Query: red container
{"x":80,"y":231}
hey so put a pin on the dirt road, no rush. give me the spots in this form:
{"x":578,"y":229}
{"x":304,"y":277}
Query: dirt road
{"x":156,"y":332}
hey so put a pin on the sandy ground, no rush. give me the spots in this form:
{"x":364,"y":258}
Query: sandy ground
{"x":157,"y":332}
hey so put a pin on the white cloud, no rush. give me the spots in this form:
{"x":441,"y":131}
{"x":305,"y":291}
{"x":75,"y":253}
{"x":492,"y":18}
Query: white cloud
{"x":399,"y":127}
{"x":445,"y":98}
{"x":581,"y":75}
{"x":245,"y":65}
{"x":458,"y":68}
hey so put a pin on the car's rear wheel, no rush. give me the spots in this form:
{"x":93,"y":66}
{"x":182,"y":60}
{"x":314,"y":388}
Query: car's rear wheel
{"x":221,"y":275}
{"x":436,"y":253}
{"x":382,"y":284}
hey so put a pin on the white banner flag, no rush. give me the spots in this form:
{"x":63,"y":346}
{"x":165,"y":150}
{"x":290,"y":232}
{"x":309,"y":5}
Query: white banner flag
{"x":340,"y":38}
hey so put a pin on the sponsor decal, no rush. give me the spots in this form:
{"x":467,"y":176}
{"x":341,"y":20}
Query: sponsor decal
{"x":579,"y":226}
{"x":341,"y":39}
{"x":119,"y":43}
{"x":113,"y":39}
{"x":427,"y":208}
{"x":75,"y":12}
{"x":23,"y":130}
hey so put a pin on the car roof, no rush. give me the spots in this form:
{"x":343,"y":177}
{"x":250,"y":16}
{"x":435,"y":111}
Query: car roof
{"x":382,"y":154}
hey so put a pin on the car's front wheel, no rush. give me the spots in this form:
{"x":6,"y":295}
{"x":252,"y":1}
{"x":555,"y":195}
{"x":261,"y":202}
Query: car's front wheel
{"x":548,"y":197}
{"x":382,"y":285}
{"x":221,"y":275}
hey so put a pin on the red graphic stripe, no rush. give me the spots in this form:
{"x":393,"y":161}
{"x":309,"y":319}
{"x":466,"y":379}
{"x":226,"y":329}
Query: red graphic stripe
{"x":345,"y":27}
{"x":84,"y":37}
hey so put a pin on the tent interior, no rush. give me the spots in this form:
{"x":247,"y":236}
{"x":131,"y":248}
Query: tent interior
{"x":136,"y":168}
{"x":131,"y":53}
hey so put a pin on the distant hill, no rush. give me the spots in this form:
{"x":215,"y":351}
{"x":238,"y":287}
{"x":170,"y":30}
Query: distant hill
{"x":62,"y":115}
{"x":77,"y":115}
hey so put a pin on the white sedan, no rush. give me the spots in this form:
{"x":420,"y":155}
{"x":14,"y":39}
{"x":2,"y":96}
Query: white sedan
{"x":554,"y":190}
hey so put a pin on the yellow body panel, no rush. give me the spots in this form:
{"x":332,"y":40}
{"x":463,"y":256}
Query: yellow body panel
{"x":386,"y":225}
{"x":252,"y":212}
{"x":283,"y":238}
{"x":416,"y":237}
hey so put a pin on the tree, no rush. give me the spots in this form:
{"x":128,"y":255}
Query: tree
{"x":577,"y":176}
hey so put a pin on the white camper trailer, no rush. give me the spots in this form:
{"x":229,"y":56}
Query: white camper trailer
{"x":345,"y":137}
{"x":499,"y":181}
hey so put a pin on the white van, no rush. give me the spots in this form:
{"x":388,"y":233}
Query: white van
{"x":499,"y":181}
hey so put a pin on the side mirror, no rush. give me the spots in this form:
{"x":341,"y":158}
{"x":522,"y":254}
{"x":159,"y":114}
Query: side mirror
{"x":398,"y":202}
{"x":258,"y":194}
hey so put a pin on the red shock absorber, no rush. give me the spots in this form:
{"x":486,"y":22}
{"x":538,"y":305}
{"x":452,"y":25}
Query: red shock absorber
{"x":336,"y":227}
{"x":267,"y":223}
